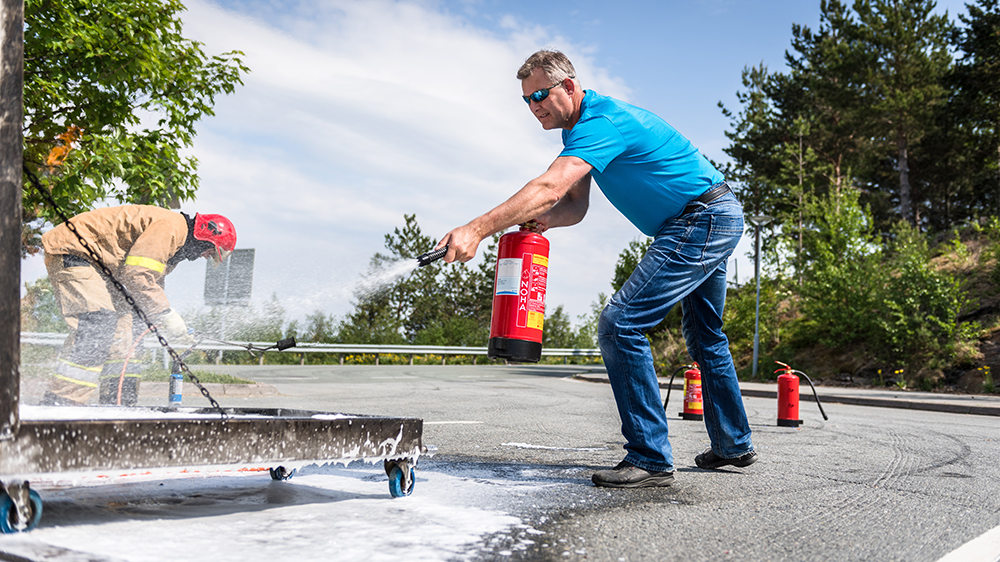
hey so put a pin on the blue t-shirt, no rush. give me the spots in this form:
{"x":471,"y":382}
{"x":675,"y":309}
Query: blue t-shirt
{"x":645,"y":167}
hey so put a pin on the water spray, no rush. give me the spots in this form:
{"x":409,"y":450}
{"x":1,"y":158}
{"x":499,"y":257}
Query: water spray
{"x":252,"y":349}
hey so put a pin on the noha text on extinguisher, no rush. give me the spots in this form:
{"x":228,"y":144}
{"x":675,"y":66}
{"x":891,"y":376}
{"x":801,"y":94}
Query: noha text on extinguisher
{"x":525,"y":278}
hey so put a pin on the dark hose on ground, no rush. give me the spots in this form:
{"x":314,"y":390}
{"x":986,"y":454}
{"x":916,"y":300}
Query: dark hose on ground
{"x":815,"y":395}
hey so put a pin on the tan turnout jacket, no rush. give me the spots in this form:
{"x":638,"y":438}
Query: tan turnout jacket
{"x":134,"y":241}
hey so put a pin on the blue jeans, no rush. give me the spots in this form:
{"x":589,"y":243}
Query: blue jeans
{"x":686,"y":263}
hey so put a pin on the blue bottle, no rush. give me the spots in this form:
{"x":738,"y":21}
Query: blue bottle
{"x":176,"y":389}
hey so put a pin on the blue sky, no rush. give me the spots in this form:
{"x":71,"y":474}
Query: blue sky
{"x":358,"y":112}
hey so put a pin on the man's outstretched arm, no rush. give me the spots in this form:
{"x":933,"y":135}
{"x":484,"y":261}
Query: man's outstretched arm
{"x":567,"y":178}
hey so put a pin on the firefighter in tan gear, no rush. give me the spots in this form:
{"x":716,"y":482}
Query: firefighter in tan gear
{"x":140,"y":244}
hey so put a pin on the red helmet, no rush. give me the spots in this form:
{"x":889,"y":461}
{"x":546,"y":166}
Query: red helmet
{"x":218,"y":230}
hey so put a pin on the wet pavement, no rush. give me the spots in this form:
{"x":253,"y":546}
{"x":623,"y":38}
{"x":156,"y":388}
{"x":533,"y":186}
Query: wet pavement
{"x":889,"y":476}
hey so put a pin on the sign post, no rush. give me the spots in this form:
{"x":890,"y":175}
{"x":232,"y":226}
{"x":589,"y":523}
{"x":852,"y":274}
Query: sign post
{"x":229,"y":283}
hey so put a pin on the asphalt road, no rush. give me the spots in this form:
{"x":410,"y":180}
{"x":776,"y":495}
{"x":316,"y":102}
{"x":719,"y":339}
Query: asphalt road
{"x":870,"y":483}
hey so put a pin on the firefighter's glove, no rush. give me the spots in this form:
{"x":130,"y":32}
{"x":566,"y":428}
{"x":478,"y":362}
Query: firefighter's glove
{"x":173,"y":328}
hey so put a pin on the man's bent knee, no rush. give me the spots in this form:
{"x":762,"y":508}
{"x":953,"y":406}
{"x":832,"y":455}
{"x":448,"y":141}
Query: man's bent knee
{"x":607,"y":323}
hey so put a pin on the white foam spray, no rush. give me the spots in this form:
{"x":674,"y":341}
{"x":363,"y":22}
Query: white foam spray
{"x":375,"y":281}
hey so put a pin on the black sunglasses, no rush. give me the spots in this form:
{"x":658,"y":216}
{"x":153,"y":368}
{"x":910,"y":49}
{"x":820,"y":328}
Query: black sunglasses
{"x":539,"y":95}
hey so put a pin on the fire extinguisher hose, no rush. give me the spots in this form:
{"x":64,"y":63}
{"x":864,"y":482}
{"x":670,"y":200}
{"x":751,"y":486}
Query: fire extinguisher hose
{"x":815,"y":395}
{"x":671,"y":383}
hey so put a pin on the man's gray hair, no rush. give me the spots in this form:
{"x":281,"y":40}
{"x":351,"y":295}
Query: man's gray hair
{"x":554,"y":64}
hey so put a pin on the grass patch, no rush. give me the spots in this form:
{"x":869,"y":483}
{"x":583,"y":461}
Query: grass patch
{"x":204,"y":377}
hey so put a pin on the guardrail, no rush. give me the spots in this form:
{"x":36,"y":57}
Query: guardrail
{"x":55,"y":339}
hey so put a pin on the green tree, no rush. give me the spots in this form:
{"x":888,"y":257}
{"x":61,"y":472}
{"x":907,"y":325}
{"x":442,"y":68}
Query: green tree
{"x":264,"y":327}
{"x":756,"y":138}
{"x":861,"y":95}
{"x":438,"y":304}
{"x":842,"y":285}
{"x":412,"y":298}
{"x":245,"y":323}
{"x":467,"y":292}
{"x":975,"y":109}
{"x":910,"y":57}
{"x":558,"y":330}
{"x":373,"y":321}
{"x":320,"y":328}
{"x":798,"y":160}
{"x":740,"y":320}
{"x":956,"y":178}
{"x":586,"y":333}
{"x":628,"y":260}
{"x":112,"y":93}
{"x":39,"y":309}
{"x":920,"y":307}
{"x":819,"y":101}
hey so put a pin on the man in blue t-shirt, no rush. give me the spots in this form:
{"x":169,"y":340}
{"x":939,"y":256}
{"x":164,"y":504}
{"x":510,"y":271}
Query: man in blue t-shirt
{"x":669,"y":191}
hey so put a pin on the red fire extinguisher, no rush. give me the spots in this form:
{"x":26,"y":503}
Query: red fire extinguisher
{"x":693,"y":409}
{"x":788,"y":396}
{"x":519,"y":296}
{"x":693,"y":406}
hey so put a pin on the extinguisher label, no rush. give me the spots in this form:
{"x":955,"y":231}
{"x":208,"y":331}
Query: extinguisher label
{"x":531,"y":296}
{"x":508,"y":276}
{"x":692,"y":397}
{"x":535,"y":319}
{"x":524,"y":291}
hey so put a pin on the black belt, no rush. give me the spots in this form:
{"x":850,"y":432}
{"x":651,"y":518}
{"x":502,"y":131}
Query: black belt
{"x":69,"y":260}
{"x":707,"y":197}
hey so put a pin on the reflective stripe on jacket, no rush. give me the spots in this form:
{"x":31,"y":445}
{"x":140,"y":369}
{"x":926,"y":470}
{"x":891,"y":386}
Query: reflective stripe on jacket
{"x":135,"y":241}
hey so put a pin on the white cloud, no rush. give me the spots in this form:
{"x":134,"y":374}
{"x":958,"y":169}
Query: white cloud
{"x":356,"y":113}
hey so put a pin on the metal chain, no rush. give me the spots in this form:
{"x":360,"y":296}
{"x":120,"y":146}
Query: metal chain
{"x":124,"y":291}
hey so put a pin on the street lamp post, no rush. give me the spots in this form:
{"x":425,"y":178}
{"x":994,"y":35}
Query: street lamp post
{"x":757,"y":221}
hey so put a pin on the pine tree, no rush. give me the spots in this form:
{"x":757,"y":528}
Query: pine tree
{"x":975,"y":106}
{"x":903,"y":81}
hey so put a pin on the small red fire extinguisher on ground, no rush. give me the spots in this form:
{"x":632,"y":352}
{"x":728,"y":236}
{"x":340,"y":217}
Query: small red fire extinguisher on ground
{"x":788,"y":396}
{"x":693,"y":405}
{"x":519,"y":296}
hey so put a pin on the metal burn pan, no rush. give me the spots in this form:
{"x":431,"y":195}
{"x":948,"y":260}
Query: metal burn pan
{"x":140,"y":438}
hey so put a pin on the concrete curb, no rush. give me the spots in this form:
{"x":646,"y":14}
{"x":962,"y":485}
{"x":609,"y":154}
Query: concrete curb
{"x":949,"y":403}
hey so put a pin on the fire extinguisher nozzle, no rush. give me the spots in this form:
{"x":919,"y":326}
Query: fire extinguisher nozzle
{"x":432,"y":256}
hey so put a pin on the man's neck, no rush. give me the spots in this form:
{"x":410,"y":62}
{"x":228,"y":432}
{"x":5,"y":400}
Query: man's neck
{"x":577,"y":109}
